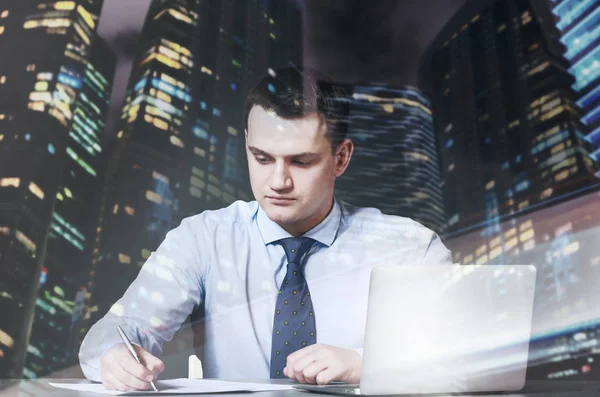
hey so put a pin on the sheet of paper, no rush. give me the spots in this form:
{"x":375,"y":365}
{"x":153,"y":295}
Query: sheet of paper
{"x":179,"y":386}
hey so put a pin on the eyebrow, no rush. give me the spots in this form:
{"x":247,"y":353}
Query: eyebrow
{"x":258,"y":152}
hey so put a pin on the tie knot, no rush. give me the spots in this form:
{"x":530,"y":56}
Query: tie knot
{"x":296,"y":247}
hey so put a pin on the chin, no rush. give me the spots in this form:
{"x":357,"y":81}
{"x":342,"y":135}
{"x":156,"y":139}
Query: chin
{"x":281,"y":215}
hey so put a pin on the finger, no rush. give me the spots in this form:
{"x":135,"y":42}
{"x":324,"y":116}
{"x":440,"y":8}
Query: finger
{"x":110,"y":382}
{"x":311,"y":371}
{"x":126,"y":362}
{"x":299,"y":366}
{"x":298,"y":354}
{"x":327,"y":376}
{"x":124,"y":372}
{"x":153,"y":363}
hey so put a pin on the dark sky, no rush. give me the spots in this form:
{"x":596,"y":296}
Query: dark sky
{"x":372,"y":40}
{"x":352,"y":41}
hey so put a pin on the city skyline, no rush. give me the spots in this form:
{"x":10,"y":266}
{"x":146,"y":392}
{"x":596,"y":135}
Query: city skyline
{"x":492,"y":151}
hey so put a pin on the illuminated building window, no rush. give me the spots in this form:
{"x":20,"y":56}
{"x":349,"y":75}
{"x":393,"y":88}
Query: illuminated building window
{"x":571,"y":248}
{"x":2,"y":29}
{"x":546,"y":193}
{"x":197,"y":182}
{"x":176,"y":141}
{"x":68,"y":193}
{"x":4,"y":14}
{"x":539,"y":68}
{"x":481,"y":250}
{"x":195,"y":192}
{"x":523,"y":204}
{"x":420,"y":156}
{"x":451,"y":167}
{"x":161,"y":124}
{"x":116,"y":208}
{"x":495,"y":242}
{"x":87,"y":17}
{"x":510,"y":233}
{"x":129,"y":210}
{"x":154,"y":197}
{"x":490,"y":185}
{"x":146,"y":253}
{"x":198,"y":172}
{"x":510,"y":244}
{"x":64,"y":5}
{"x":273,"y":36}
{"x":26,"y":241}
{"x":160,"y":177}
{"x":495,"y":252}
{"x":60,"y":196}
{"x":124,"y":258}
{"x":206,"y":70}
{"x":35,"y":189}
{"x":180,"y":16}
{"x":6,"y":182}
{"x":1,"y":137}
{"x":526,"y":225}
{"x":30,"y":67}
{"x":199,"y":152}
{"x":80,"y":161}
{"x":2,"y":79}
{"x":272,"y":72}
{"x":526,"y":236}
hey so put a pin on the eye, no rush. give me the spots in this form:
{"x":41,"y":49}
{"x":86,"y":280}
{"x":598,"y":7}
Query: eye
{"x":262,"y":160}
{"x":302,"y":163}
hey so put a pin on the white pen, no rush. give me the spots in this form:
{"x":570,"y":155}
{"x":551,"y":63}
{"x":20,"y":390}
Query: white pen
{"x":132,"y":351}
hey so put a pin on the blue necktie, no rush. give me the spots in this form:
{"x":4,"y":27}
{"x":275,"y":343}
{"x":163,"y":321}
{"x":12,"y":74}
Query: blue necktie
{"x":294,"y":321}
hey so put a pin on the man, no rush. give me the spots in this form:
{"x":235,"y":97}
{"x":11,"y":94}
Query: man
{"x":283,"y":280}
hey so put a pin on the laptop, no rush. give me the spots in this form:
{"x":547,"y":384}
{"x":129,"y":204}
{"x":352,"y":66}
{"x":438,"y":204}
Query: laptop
{"x":444,"y":329}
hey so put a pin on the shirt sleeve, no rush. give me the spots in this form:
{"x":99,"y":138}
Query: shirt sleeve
{"x":436,"y":252}
{"x":167,"y":289}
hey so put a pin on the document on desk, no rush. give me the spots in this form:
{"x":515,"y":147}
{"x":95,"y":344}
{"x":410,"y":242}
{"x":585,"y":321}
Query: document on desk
{"x":179,"y":386}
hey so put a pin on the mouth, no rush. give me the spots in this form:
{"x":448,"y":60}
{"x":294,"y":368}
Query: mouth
{"x":280,"y":200}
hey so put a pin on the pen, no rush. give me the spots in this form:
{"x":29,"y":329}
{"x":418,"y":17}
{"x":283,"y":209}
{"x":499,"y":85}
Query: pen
{"x":132,"y":350}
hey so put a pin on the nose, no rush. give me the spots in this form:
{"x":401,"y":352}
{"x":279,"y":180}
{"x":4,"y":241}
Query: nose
{"x":280,"y":178}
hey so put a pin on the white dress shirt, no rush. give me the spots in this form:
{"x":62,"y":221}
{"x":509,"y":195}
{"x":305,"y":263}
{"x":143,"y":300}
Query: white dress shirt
{"x":228,"y":261}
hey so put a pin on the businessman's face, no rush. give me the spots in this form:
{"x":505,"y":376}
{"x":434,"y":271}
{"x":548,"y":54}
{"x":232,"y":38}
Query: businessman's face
{"x":292,"y":168}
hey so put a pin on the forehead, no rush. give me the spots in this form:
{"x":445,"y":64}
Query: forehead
{"x":267,"y":131}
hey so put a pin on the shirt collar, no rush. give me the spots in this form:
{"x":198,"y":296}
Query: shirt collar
{"x":325,"y":232}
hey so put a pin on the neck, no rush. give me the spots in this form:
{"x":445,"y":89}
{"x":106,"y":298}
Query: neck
{"x":299,"y":229}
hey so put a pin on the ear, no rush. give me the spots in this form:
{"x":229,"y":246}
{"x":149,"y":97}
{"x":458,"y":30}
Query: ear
{"x":343,"y":154}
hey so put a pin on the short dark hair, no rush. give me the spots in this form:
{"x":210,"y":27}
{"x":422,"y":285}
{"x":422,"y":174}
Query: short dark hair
{"x":293,"y":92}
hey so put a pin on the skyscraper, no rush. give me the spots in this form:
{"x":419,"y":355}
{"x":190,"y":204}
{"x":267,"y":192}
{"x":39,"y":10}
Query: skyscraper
{"x":579,"y":24}
{"x":181,"y":140}
{"x":45,"y":47}
{"x":395,"y":163}
{"x":55,"y":338}
{"x":507,"y":127}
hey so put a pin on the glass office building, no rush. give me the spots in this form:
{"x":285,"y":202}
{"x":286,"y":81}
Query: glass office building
{"x":508,"y":129}
{"x":395,"y":164}
{"x":181,"y":137}
{"x":579,"y":24}
{"x":46,"y":46}
{"x":55,"y":335}
{"x":519,"y":182}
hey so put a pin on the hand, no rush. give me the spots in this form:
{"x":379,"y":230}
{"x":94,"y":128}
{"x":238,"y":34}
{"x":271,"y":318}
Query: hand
{"x":322,"y":364}
{"x":120,"y":371}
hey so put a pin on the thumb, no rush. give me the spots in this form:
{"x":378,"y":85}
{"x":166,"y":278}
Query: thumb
{"x":151,"y":362}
